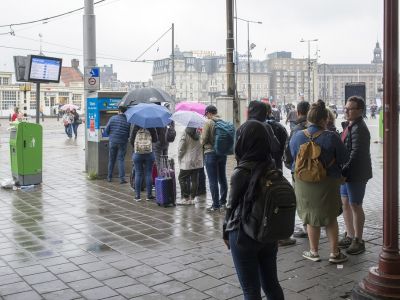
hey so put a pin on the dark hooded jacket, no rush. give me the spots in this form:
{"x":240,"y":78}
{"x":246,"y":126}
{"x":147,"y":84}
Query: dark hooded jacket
{"x":258,"y":111}
{"x":301,"y":124}
{"x":253,"y":158}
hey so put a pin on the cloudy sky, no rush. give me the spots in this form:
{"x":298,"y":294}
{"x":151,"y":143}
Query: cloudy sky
{"x":346,"y":29}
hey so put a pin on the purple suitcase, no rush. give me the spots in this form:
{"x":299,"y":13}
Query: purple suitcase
{"x":165,"y":194}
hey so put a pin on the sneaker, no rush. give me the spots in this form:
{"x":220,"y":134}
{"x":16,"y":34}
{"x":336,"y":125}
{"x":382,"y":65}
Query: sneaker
{"x":287,"y":242}
{"x":183,"y":201}
{"x":123,"y":181}
{"x":301,"y":234}
{"x":311,"y":256}
{"x":138,"y":199}
{"x":337,"y":258}
{"x":150,"y":198}
{"x":212,"y":209}
{"x":357,"y":246}
{"x":345,"y":242}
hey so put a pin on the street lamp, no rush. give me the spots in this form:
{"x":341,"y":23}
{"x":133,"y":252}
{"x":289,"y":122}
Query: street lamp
{"x":309,"y":65}
{"x":249,"y":48}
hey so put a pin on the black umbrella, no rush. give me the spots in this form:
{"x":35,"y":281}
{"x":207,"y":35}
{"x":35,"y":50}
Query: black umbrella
{"x":145,"y":95}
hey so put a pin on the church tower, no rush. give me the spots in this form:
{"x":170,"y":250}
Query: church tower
{"x":377,"y":54}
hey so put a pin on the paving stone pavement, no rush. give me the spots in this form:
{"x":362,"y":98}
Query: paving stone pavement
{"x":73,"y":238}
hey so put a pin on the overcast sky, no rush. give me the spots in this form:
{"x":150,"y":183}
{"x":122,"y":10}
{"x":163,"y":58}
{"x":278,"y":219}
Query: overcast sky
{"x":346,"y":29}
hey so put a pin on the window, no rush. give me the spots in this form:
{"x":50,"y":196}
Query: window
{"x":77,"y":99}
{"x":5,"y":81}
{"x":9,"y":99}
{"x":63,"y":94}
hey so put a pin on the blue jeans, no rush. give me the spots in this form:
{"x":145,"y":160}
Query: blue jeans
{"x":216,"y":172}
{"x":117,"y":151}
{"x":75,"y":129}
{"x":139,"y":160}
{"x":255,"y":265}
{"x":68,"y":130}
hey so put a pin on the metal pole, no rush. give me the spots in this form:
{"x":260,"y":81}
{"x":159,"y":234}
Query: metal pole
{"x":309,"y":71}
{"x":37,"y":103}
{"x":89,"y":55}
{"x":173,"y":67}
{"x":230,"y":66}
{"x":383,"y":281}
{"x":248,"y":65}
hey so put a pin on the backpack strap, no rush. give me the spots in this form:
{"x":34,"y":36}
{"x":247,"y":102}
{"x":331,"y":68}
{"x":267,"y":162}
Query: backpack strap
{"x":314,"y":136}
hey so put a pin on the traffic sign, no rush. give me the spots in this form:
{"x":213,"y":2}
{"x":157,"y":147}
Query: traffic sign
{"x":92,"y":78}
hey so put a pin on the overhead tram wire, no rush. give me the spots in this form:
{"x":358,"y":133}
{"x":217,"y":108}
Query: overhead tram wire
{"x":48,"y":18}
{"x":75,"y":54}
{"x":144,"y":52}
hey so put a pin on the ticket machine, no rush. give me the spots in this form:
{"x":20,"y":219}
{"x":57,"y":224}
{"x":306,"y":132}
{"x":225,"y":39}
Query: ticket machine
{"x":100,"y":107}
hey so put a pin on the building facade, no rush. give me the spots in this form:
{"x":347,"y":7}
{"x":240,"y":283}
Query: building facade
{"x":202,"y":78}
{"x":289,"y":78}
{"x":332,"y":79}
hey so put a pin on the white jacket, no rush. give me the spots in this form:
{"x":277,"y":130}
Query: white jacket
{"x":190,"y":153}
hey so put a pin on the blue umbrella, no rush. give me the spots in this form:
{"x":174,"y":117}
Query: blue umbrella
{"x":148,"y":115}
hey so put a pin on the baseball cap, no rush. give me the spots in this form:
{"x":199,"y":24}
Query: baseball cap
{"x":211,"y":109}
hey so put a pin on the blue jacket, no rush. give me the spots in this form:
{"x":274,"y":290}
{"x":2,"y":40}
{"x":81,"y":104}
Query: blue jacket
{"x":331,"y":148}
{"x":118,"y":129}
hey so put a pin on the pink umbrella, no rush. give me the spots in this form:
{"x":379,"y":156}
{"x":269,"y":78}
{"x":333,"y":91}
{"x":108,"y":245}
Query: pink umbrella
{"x":191,"y":106}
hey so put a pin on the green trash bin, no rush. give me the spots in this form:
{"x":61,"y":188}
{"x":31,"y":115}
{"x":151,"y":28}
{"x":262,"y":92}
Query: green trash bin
{"x":26,"y":153}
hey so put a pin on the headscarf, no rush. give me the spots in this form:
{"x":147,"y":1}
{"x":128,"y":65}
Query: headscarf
{"x":252,"y":146}
{"x":252,"y":142}
{"x":257,"y":111}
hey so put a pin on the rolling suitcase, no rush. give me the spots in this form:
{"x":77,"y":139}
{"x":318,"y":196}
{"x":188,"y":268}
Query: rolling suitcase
{"x":165,"y":183}
{"x":164,"y":191}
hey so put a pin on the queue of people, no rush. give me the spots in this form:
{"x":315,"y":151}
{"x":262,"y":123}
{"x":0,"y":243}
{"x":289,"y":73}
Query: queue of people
{"x":334,"y":185}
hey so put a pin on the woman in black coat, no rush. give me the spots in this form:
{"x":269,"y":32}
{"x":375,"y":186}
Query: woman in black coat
{"x":255,"y":263}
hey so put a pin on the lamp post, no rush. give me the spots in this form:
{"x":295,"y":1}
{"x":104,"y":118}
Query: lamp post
{"x":309,"y":65}
{"x":249,"y":47}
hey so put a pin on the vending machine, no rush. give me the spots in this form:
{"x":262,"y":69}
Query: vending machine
{"x":100,"y":107}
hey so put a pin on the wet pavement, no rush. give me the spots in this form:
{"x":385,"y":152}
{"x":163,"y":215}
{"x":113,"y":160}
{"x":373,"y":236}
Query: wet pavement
{"x":75,"y":238}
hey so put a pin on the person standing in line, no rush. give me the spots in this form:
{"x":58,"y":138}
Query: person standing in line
{"x":142,"y":141}
{"x":301,"y":123}
{"x":67,"y":121}
{"x":257,"y":110}
{"x":215,"y":164}
{"x":165,"y":136}
{"x":291,"y":117}
{"x":318,"y":202}
{"x":255,"y":262}
{"x":117,"y":130}
{"x":357,"y":171}
{"x":77,"y":121}
{"x":190,"y":158}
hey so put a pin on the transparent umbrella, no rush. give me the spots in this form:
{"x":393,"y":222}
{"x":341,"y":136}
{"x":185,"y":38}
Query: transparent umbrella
{"x":189,"y":119}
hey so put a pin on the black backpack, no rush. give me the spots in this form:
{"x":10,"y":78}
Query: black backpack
{"x":272,"y":215}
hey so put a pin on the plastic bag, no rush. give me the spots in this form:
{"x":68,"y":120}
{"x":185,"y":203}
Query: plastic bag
{"x":7,"y":183}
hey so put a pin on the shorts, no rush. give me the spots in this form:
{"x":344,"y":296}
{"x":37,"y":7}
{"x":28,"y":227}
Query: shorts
{"x":354,"y":191}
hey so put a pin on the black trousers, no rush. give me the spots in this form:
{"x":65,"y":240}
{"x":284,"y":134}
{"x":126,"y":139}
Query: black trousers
{"x":189,"y":181}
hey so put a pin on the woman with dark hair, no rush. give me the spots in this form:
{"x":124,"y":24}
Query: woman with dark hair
{"x":255,"y":262}
{"x":318,"y":203}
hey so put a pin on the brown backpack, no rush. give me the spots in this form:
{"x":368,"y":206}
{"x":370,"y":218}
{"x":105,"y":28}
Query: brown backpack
{"x":308,"y":166}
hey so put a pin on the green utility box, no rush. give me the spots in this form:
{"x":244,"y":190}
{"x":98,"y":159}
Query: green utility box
{"x":26,"y":153}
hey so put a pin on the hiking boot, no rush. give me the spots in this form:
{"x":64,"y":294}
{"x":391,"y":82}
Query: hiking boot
{"x":287,"y":242}
{"x":357,"y":246}
{"x":337,"y":258}
{"x":345,"y":242}
{"x":311,"y":256}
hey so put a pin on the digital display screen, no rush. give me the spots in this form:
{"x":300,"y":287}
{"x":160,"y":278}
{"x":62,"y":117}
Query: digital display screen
{"x":44,"y":69}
